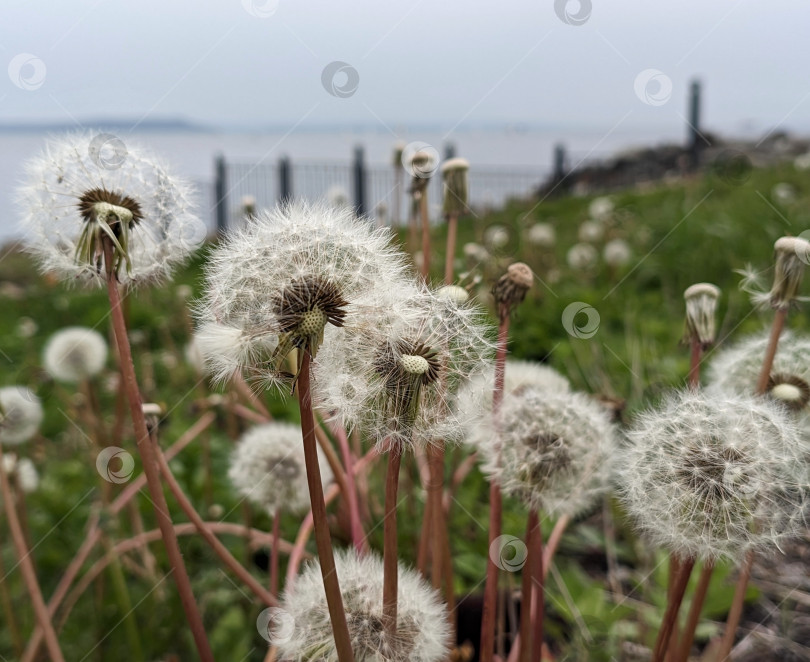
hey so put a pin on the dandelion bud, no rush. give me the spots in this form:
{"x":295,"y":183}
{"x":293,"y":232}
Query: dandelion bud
{"x":511,"y":288}
{"x":75,"y":354}
{"x":701,"y":307}
{"x":423,"y":631}
{"x":20,"y":415}
{"x":455,"y":172}
{"x":267,"y":467}
{"x":792,"y":255}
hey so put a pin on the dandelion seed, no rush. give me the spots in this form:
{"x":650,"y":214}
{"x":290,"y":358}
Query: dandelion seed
{"x":423,"y":627}
{"x":267,"y":467}
{"x":75,"y":354}
{"x":552,"y":450}
{"x":20,"y":415}
{"x":72,"y":203}
{"x":711,"y":476}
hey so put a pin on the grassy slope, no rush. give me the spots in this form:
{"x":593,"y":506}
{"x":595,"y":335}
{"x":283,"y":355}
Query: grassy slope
{"x":682,"y":233}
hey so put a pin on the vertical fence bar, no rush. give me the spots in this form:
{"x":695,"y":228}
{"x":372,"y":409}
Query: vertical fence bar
{"x":694,"y":140}
{"x":359,"y":173}
{"x":284,"y":180}
{"x":220,"y":194}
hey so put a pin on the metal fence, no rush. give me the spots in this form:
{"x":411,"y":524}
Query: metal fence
{"x":378,"y":191}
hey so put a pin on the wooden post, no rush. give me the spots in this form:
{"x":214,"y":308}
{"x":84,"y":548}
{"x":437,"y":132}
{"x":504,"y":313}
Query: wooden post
{"x":559,"y":163}
{"x":284,"y":180}
{"x":695,"y":140}
{"x":359,"y":181}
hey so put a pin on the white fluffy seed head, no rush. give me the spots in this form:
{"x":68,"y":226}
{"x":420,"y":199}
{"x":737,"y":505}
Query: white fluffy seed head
{"x":423,"y":625}
{"x":601,"y":208}
{"x":288,"y":257}
{"x":552,"y":450}
{"x":543,"y":234}
{"x":394,"y":377}
{"x":473,"y":404}
{"x":267,"y":467}
{"x":591,"y":231}
{"x":75,"y":354}
{"x":714,"y":476}
{"x":581,"y":257}
{"x":69,"y":167}
{"x":23,"y":470}
{"x":20,"y":415}
{"x":617,"y":253}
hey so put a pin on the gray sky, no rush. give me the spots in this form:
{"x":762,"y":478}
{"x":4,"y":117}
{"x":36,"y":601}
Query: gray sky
{"x":447,"y":61}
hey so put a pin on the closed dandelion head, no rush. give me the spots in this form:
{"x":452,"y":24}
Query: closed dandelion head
{"x":278,"y":284}
{"x":267,"y":467}
{"x":423,"y":627}
{"x":710,"y":475}
{"x":456,"y":188}
{"x":455,"y":293}
{"x":511,"y":288}
{"x":792,"y":256}
{"x":735,"y":369}
{"x":75,"y":201}
{"x":20,"y":415}
{"x":23,"y":471}
{"x":393,"y":378}
{"x":473,"y":405}
{"x":75,"y":354}
{"x":552,"y":450}
{"x":701,"y":311}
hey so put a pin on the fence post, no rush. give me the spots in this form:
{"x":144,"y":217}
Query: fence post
{"x":220,"y":194}
{"x":449,"y":151}
{"x":359,"y":172}
{"x":284,"y":180}
{"x":559,"y":163}
{"x":695,"y":139}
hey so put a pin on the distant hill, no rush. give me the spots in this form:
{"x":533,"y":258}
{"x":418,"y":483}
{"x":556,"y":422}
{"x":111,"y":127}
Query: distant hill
{"x":121,"y":125}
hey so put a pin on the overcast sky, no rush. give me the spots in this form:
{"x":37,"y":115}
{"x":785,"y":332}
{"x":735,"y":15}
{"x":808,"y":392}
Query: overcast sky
{"x":238,"y":62}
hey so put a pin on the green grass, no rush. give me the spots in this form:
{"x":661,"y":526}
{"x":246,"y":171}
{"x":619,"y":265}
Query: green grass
{"x":681,"y":233}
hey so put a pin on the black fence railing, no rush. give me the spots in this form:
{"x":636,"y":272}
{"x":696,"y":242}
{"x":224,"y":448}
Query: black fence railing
{"x":378,"y":191}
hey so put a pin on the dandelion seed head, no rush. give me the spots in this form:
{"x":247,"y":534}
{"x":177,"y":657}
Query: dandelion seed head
{"x":543,"y":234}
{"x":20,"y":415}
{"x":75,"y":354}
{"x":552,"y":450}
{"x":423,"y":628}
{"x":267,"y":467}
{"x":617,"y":253}
{"x":23,"y":470}
{"x":581,"y":257}
{"x":711,"y":475}
{"x":71,"y":201}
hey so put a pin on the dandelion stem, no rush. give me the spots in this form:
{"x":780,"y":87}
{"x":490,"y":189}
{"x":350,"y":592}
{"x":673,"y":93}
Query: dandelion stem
{"x":8,"y":611}
{"x":529,"y":575}
{"x":450,"y":254}
{"x":773,"y":343}
{"x":423,"y":213}
{"x":27,"y":568}
{"x":149,"y":462}
{"x":323,"y":539}
{"x":673,"y":606}
{"x":274,"y":549}
{"x":554,"y":542}
{"x":695,"y":608}
{"x":694,"y":362}
{"x":390,"y":584}
{"x":491,"y":585}
{"x":737,"y":602}
{"x":538,"y":573}
{"x":221,"y":551}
